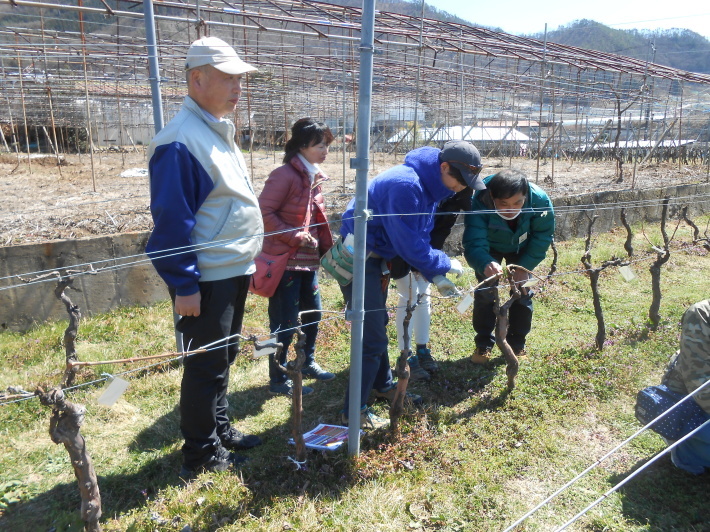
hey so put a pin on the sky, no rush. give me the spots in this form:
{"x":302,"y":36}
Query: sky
{"x":528,"y":16}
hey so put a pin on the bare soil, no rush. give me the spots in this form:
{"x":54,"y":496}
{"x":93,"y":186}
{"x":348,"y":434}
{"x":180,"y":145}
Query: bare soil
{"x":42,"y":200}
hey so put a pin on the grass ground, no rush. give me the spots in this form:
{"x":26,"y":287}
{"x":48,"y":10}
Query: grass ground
{"x":474,"y":458}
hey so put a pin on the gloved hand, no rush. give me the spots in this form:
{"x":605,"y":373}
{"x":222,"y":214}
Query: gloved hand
{"x":445,"y":287}
{"x":456,"y":267}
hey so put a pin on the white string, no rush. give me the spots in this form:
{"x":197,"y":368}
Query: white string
{"x":632,"y":475}
{"x":607,"y":455}
{"x":96,"y":265}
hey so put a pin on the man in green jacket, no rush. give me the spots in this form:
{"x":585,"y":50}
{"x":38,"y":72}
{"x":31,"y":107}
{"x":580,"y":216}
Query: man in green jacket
{"x":511,"y":220}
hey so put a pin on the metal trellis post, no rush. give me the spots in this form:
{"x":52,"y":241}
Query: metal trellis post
{"x":361,"y":166}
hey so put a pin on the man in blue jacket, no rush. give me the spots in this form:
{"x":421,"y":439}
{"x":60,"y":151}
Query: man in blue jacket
{"x":511,"y":220}
{"x":403,"y":200}
{"x":208,"y":229}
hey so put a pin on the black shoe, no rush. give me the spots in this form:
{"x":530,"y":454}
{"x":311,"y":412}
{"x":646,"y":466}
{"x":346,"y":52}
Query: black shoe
{"x":315,"y":371}
{"x":221,"y":460}
{"x":427,"y":361}
{"x":286,"y":388}
{"x":389,"y":393}
{"x":416,"y":371}
{"x":236,"y":439}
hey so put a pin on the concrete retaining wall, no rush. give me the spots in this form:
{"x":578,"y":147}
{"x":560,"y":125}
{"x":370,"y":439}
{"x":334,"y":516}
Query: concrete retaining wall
{"x":22,"y":305}
{"x":572,"y":221}
{"x":26,"y":304}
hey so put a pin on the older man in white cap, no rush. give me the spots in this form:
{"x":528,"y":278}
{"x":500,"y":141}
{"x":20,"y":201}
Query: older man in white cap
{"x":207,"y":232}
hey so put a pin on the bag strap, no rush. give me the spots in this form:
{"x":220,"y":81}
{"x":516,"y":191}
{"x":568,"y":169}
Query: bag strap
{"x":309,"y":207}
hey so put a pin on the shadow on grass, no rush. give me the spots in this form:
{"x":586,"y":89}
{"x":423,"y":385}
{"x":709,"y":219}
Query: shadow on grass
{"x":59,"y":507}
{"x":269,"y":474}
{"x":663,"y":497}
{"x":460,"y":381}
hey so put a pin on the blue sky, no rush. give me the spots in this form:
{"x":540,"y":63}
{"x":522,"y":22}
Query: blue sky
{"x":526,"y":16}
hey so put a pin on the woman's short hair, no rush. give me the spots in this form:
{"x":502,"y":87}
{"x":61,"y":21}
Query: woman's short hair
{"x":304,"y":133}
{"x":507,"y":183}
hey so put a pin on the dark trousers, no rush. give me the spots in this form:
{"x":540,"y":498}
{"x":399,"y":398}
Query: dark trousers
{"x":203,"y":393}
{"x":376,"y":371}
{"x":484,"y":317}
{"x":297,"y":292}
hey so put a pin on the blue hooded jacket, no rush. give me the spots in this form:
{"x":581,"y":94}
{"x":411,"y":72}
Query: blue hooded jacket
{"x":403,"y":200}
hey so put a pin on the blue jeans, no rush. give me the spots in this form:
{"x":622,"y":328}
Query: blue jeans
{"x":484,"y":317}
{"x":376,"y":372}
{"x":693,"y":454}
{"x":298,"y":291}
{"x":203,"y":392}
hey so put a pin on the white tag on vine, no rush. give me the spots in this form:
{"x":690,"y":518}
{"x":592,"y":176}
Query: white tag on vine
{"x":265,"y":347}
{"x":627,"y":273}
{"x":466,"y":302}
{"x":113,"y":392}
{"x":530,"y":282}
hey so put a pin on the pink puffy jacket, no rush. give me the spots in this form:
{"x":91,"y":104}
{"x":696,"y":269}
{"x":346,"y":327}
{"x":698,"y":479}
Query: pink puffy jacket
{"x":283,"y":203}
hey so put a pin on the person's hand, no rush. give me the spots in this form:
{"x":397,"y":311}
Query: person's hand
{"x":307,"y":240}
{"x":188,"y":305}
{"x":492,"y":268}
{"x":456,"y":267}
{"x":445,"y":287}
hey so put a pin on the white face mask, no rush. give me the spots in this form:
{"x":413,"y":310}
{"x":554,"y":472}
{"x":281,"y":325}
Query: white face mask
{"x":507,"y":217}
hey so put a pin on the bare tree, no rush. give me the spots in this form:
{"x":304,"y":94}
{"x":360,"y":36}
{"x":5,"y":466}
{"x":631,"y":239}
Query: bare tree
{"x":662,"y":256}
{"x":64,"y":427}
{"x":593,"y":274}
{"x":628,"y":246}
{"x":402,"y":371}
{"x":293,"y":370}
{"x":501,"y":331}
{"x":555,"y":256}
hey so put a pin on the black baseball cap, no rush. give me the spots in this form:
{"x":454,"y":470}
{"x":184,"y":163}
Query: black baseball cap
{"x":465,"y":158}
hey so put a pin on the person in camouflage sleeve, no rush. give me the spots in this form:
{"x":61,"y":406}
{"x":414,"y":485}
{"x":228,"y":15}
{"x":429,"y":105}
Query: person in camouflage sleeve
{"x":688,"y":369}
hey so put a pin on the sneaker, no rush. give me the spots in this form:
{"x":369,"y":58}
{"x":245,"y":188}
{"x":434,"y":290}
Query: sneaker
{"x":368,"y":419}
{"x":481,"y":355}
{"x":236,"y":439}
{"x":221,"y":460}
{"x":389,"y":394}
{"x":286,"y":388}
{"x":315,"y":371}
{"x":521,"y":354}
{"x":427,"y":361}
{"x":416,"y":372}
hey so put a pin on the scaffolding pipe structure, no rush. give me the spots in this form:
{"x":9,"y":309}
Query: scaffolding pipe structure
{"x":469,"y":80}
{"x":154,"y":67}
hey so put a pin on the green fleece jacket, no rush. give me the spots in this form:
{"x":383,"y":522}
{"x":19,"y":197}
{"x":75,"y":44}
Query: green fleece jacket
{"x":485,"y":230}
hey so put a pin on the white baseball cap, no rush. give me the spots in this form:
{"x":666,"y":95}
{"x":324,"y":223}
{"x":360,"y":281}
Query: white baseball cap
{"x":214,"y":51}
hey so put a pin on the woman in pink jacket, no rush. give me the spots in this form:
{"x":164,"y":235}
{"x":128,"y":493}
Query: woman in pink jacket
{"x":294,"y":215}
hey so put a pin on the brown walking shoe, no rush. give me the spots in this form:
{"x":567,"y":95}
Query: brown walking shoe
{"x":481,"y":356}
